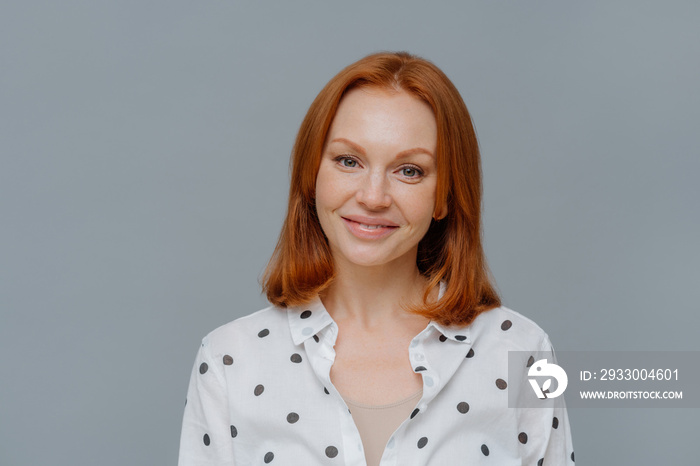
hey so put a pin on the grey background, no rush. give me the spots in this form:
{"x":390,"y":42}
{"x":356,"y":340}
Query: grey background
{"x":144,"y":175}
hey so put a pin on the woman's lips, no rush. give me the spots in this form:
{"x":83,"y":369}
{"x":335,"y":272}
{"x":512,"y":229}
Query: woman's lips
{"x":368,"y":231}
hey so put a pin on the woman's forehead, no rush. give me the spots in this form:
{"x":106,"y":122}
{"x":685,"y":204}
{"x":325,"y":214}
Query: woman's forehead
{"x":379,"y":116}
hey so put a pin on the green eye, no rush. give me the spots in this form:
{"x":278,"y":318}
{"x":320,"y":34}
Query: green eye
{"x":350,"y":163}
{"x":411,"y":172}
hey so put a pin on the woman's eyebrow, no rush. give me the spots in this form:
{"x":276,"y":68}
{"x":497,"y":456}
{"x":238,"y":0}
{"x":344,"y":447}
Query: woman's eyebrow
{"x":403,"y":153}
{"x":415,"y":150}
{"x":352,"y":145}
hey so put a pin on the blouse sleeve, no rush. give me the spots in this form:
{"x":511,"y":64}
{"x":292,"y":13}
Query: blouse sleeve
{"x":549,"y":434}
{"x":206,"y":437}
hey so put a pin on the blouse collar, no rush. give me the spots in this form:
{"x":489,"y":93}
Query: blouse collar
{"x":308,"y":320}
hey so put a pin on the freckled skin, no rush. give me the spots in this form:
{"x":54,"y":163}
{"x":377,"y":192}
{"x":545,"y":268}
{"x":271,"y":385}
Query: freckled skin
{"x":372,"y":182}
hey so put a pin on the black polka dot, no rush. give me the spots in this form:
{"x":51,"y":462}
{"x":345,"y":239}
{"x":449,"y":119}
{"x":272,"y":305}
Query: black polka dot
{"x":522,"y":436}
{"x":269,"y":456}
{"x":443,"y":338}
{"x":206,"y":439}
{"x":258,"y":390}
{"x":331,"y":451}
{"x":530,"y":361}
{"x":203,"y":368}
{"x":263,"y":333}
{"x":306,"y":314}
{"x":295,"y":358}
{"x":292,"y":418}
{"x":506,"y":325}
{"x":234,"y":431}
{"x":555,"y":423}
{"x":501,"y":384}
{"x":463,"y":407}
{"x":460,"y":337}
{"x":470,"y":354}
{"x":423,"y":441}
{"x":420,"y":368}
{"x":326,"y":391}
{"x":415,"y":411}
{"x":572,"y":457}
{"x":228,"y":360}
{"x":316,"y":338}
{"x":540,"y":462}
{"x":485,"y":450}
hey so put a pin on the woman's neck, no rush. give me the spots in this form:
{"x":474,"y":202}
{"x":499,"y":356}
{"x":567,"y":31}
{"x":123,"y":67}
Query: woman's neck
{"x":374,"y":296}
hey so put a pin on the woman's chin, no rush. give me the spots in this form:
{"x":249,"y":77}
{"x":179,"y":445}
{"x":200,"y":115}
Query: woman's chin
{"x":372,"y":260}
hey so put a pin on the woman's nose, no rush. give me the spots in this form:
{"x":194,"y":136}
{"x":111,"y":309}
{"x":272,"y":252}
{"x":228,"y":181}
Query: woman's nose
{"x":374,"y":192}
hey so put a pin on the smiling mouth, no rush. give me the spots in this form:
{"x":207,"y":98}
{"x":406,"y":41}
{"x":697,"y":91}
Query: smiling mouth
{"x":366,"y":231}
{"x":368,"y":226}
{"x":372,"y":227}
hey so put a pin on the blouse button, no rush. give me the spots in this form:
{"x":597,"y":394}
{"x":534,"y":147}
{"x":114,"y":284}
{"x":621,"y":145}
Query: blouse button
{"x":418,"y":357}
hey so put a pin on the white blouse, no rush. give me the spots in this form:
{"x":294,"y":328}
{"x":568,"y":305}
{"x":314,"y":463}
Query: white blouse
{"x":260,"y":393}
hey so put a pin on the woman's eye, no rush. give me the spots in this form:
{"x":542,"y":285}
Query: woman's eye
{"x":346,"y":162}
{"x":411,"y":172}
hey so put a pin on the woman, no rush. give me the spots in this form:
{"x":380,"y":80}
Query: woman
{"x":386,"y":342}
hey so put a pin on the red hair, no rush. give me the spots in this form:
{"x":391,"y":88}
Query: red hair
{"x":451,"y":251}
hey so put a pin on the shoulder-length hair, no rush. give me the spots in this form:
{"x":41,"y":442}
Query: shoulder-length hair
{"x":451,"y":251}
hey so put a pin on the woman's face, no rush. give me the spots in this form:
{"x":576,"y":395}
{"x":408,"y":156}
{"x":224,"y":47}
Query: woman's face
{"x":376,"y":184}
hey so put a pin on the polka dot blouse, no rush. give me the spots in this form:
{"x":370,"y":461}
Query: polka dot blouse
{"x":260,"y":393}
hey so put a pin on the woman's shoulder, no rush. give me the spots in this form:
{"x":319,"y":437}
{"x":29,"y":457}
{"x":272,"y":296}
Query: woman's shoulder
{"x":509,"y":328}
{"x":270,"y":323}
